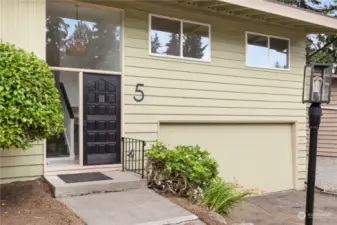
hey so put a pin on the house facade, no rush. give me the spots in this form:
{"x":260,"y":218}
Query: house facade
{"x":226,"y":75}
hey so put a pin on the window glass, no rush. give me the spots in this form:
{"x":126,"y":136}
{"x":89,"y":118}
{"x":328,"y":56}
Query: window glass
{"x":83,"y":37}
{"x":196,"y":42}
{"x":174,"y":37}
{"x":257,"y":50}
{"x":165,"y":36}
{"x":279,"y":53}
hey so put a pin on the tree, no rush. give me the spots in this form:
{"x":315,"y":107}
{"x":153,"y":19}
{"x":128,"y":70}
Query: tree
{"x":318,"y":42}
{"x":155,"y":44}
{"x":80,"y":39}
{"x":57,"y":31}
{"x":193,"y":46}
{"x":277,"y":65}
{"x":173,"y":46}
{"x":30,"y":108}
{"x":105,"y":46}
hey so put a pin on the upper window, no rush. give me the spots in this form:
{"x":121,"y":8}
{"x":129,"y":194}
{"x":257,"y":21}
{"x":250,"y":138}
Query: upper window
{"x":83,"y":37}
{"x":267,"y":51}
{"x":178,"y":38}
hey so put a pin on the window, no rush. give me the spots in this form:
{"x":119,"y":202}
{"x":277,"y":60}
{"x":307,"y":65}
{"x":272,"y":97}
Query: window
{"x":83,"y":37}
{"x":267,"y":51}
{"x":178,"y":38}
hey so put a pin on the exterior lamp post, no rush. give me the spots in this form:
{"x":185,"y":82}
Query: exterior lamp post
{"x":316,"y":90}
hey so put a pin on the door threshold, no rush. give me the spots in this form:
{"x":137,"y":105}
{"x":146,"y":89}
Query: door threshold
{"x":81,"y":169}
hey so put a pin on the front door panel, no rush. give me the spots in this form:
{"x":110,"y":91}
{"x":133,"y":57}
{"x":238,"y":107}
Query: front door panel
{"x":101,"y":119}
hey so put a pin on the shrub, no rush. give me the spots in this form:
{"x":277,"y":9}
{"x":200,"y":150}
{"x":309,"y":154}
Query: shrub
{"x":220,"y":196}
{"x":182,"y":170}
{"x":30,"y":108}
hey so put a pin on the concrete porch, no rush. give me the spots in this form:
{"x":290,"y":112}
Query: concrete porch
{"x":121,"y":181}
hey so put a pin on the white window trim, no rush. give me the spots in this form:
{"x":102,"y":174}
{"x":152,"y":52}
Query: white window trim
{"x":268,"y":36}
{"x":181,"y":57}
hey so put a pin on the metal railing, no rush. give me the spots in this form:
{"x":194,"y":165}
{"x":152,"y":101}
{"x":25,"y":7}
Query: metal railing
{"x":133,"y":155}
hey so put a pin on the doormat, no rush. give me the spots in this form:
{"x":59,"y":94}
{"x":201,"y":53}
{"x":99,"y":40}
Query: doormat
{"x":83,"y":177}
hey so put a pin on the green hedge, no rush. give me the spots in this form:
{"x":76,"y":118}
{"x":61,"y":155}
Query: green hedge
{"x":30,"y":108}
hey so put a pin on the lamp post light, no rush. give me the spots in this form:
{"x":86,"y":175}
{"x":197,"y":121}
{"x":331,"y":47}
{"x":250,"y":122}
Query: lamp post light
{"x":316,"y":90}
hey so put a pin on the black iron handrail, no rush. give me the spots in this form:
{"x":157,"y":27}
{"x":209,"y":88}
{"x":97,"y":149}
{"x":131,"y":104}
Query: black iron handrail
{"x":133,"y":155}
{"x":66,"y":100}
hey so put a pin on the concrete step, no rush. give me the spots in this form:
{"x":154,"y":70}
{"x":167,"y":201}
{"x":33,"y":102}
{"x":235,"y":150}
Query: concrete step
{"x":121,"y":181}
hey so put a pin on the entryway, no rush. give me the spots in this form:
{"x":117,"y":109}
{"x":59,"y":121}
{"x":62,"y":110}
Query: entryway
{"x":101,"y":119}
{"x":91,"y":104}
{"x":84,"y":50}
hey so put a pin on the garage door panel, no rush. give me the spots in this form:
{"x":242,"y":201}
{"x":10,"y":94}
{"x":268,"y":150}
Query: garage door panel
{"x":253,"y":155}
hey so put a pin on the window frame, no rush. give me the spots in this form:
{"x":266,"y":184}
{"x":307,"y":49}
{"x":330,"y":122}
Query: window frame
{"x":181,"y":21}
{"x":268,"y":37}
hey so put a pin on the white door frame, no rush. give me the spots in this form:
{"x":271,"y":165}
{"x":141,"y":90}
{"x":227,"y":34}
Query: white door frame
{"x":79,"y":73}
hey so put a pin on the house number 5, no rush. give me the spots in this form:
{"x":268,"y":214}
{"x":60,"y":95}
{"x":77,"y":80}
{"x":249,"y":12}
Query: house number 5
{"x":139,"y":98}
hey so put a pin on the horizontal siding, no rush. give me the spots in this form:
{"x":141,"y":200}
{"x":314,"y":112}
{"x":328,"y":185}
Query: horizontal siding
{"x":202,"y":110}
{"x":17,"y":164}
{"x":21,"y":171}
{"x":327,"y":134}
{"x":23,"y":23}
{"x":21,"y":160}
{"x":220,"y":91}
{"x":212,"y":103}
{"x":209,"y":94}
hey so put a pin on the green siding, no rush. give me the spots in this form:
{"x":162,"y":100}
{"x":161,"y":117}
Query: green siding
{"x":222,"y":90}
{"x":21,"y":165}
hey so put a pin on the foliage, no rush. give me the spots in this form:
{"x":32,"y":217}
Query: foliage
{"x":155,"y":44}
{"x":220,"y":196}
{"x":80,"y":38}
{"x":182,"y":170}
{"x":30,"y":108}
{"x":193,"y":46}
{"x":318,"y":41}
{"x":100,"y":42}
{"x":173,"y":46}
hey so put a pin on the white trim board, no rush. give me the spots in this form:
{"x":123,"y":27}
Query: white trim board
{"x":276,"y":8}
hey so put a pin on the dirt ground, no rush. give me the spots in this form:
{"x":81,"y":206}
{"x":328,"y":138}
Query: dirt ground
{"x":31,"y":203}
{"x":285,"y":208}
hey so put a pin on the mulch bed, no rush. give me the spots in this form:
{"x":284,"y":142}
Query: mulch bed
{"x":32,"y":203}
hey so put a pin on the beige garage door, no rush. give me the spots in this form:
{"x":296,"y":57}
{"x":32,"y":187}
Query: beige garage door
{"x":253,"y":155}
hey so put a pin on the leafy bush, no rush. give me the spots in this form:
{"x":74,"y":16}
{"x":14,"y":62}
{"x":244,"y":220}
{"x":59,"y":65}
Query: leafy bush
{"x":183,"y":170}
{"x":30,"y":108}
{"x":220,"y":196}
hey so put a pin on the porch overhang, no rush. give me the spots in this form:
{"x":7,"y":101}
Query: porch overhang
{"x":268,"y":11}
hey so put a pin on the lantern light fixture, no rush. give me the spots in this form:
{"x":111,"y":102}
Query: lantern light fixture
{"x":317,"y":82}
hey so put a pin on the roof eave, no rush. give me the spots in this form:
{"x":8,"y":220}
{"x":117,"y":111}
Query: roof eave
{"x":312,"y":22}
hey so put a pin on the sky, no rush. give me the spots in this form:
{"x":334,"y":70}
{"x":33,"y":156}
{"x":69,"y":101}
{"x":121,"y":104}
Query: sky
{"x":326,"y":2}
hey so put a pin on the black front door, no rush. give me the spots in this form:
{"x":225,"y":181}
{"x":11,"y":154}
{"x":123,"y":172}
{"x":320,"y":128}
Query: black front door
{"x":101,"y":119}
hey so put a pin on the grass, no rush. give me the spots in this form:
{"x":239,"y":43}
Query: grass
{"x":220,"y":196}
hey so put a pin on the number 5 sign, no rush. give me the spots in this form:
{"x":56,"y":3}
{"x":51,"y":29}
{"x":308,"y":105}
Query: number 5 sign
{"x":141,"y":98}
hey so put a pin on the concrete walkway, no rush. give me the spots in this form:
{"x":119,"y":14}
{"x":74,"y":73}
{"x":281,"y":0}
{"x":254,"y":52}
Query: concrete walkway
{"x":133,"y":207}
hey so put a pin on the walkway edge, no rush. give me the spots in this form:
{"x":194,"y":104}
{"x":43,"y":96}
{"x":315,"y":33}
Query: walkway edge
{"x":172,"y":221}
